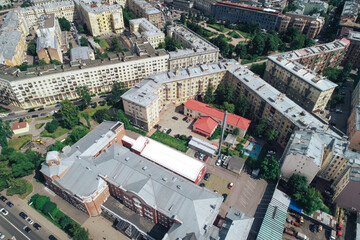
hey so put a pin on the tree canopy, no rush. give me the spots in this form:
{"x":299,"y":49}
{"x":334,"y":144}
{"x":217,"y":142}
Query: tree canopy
{"x":171,"y":44}
{"x":84,"y":94}
{"x":209,"y":94}
{"x":52,"y":126}
{"x":84,"y":42}
{"x":118,"y":89}
{"x":31,"y":48}
{"x":5,"y":132}
{"x":297,"y":184}
{"x":101,"y":115}
{"x":64,"y":24}
{"x":69,"y":114}
{"x":270,"y":169}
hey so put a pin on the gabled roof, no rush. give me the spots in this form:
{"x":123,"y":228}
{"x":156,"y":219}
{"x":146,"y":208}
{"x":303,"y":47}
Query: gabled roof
{"x":217,"y":114}
{"x":19,"y":125}
{"x":207,"y":124}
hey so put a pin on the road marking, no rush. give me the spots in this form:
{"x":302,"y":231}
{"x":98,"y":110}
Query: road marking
{"x":15,"y":227}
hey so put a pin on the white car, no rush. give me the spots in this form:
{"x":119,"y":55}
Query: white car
{"x":29,"y":220}
{"x":218,"y":162}
{"x":2,"y":236}
{"x":4,"y":211}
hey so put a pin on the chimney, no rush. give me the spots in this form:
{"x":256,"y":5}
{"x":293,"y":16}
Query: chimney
{"x":222,"y":133}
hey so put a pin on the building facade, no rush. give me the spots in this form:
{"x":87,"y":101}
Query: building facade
{"x":353,"y":53}
{"x":268,"y":19}
{"x":144,"y":28}
{"x":51,"y":84}
{"x":305,"y":87}
{"x":101,"y":18}
{"x":353,"y":128}
{"x":97,"y":166}
{"x":143,"y":9}
{"x":311,"y":26}
{"x":197,"y":49}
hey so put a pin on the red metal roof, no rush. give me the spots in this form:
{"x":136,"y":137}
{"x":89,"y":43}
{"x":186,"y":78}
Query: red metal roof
{"x":217,"y":114}
{"x":206,"y":125}
{"x":240,"y":5}
{"x":19,"y":125}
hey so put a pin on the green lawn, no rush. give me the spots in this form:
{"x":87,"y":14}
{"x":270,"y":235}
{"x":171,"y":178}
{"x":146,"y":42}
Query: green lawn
{"x":246,"y":35}
{"x":39,"y":125}
{"x":217,"y":27}
{"x":18,"y":142}
{"x":91,"y":111}
{"x":29,"y":189}
{"x":44,"y":118}
{"x":58,"y":133}
{"x":217,"y":183}
{"x":178,"y":144}
{"x":103,"y":44}
{"x":234,"y":34}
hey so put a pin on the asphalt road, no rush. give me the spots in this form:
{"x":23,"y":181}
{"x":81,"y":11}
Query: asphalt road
{"x":12,"y":225}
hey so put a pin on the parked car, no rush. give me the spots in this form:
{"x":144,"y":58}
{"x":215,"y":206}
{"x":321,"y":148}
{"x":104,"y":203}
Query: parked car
{"x":201,"y":156}
{"x":37,"y":226}
{"x":51,"y":237}
{"x":43,"y":114}
{"x":34,"y":116}
{"x":57,"y":105}
{"x":185,"y":118}
{"x":218,"y":162}
{"x":175,"y":118}
{"x":205,"y":158}
{"x":23,"y":215}
{"x":2,"y":236}
{"x":230,"y":186}
{"x":29,"y":220}
{"x":164,"y":130}
{"x":224,"y":196}
{"x":197,"y":154}
{"x":206,"y":176}
{"x":4,"y":211}
{"x":40,"y":109}
{"x":2,"y":198}
{"x":177,"y":136}
{"x":156,"y":126}
{"x":27,"y":229}
{"x":10,"y":204}
{"x":313,"y":228}
{"x":338,"y":111}
{"x":168,"y":131}
{"x":31,"y":110}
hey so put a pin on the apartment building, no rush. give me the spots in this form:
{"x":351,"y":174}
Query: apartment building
{"x":197,"y":49}
{"x":143,"y":103}
{"x":101,"y":18}
{"x":268,"y":19}
{"x":302,"y":85}
{"x":353,"y":128}
{"x":303,"y":155}
{"x":98,"y":169}
{"x":319,"y":57}
{"x":50,"y":84}
{"x":348,"y":18}
{"x":143,"y":9}
{"x":307,"y":6}
{"x":48,"y":25}
{"x":142,"y":27}
{"x":61,"y":9}
{"x":13,"y":39}
{"x":353,"y":53}
{"x":311,"y":26}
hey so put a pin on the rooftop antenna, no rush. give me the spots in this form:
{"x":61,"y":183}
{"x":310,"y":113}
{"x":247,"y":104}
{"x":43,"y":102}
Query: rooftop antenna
{"x":222,"y":133}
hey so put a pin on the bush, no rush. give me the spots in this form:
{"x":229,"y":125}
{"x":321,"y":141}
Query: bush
{"x":16,"y":186}
{"x":49,"y":207}
{"x":178,"y":144}
{"x":52,"y":126}
{"x":40,"y":202}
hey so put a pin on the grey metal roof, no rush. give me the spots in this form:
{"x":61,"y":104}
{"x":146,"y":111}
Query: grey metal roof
{"x":194,"y":207}
{"x":82,"y":53}
{"x":8,"y":43}
{"x":237,"y":225}
{"x":49,"y":41}
{"x":273,"y":224}
{"x":205,"y":146}
{"x":147,"y":7}
{"x":147,"y":29}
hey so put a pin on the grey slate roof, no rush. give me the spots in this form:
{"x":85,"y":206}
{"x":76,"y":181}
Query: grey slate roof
{"x":193,"y":206}
{"x":237,"y":225}
{"x":82,"y":53}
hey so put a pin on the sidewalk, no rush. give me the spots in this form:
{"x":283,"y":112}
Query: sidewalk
{"x":100,"y":228}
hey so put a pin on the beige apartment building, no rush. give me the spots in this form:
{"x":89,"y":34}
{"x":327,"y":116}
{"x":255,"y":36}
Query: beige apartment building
{"x":50,"y":84}
{"x":143,"y":9}
{"x":143,"y":28}
{"x":311,"y":26}
{"x":197,"y":50}
{"x":143,"y":103}
{"x":302,"y":85}
{"x":353,"y":128}
{"x":101,"y":18}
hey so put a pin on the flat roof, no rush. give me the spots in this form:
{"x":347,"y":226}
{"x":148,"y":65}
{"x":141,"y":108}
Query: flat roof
{"x":147,"y":29}
{"x":205,"y":146}
{"x":169,"y":158}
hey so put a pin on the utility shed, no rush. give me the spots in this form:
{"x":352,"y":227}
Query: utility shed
{"x":203,"y":147}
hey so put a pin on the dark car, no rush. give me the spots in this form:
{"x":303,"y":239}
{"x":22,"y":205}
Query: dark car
{"x":175,"y":118}
{"x":27,"y":229}
{"x":43,"y":114}
{"x":206,"y":176}
{"x":159,"y":127}
{"x":37,"y":226}
{"x":185,"y":118}
{"x":51,"y":237}
{"x":40,"y":109}
{"x":23,"y":215}
{"x":2,"y":198}
{"x":197,"y":154}
{"x":314,"y":228}
{"x":224,"y":196}
{"x":10,"y":204}
{"x":57,"y":105}
{"x":168,"y":131}
{"x":34,"y":116}
{"x":32,"y":110}
{"x":156,"y":126}
{"x":189,"y":138}
{"x":177,"y":136}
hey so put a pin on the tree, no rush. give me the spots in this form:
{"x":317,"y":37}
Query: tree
{"x":297,"y":184}
{"x":22,"y":168}
{"x":236,"y":131}
{"x":84,"y":42}
{"x":77,"y":134}
{"x":332,"y":74}
{"x":5,"y":174}
{"x":272,"y":134}
{"x":271,"y":44}
{"x":242,"y":105}
{"x":69,"y":114}
{"x":211,"y":20}
{"x":228,"y":107}
{"x":261,"y":127}
{"x":42,"y":62}
{"x":209,"y":94}
{"x":101,"y":115}
{"x":120,"y":116}
{"x":230,"y":89}
{"x":220,"y":92}
{"x":65,"y":221}
{"x":80,"y":28}
{"x":5,"y":132}
{"x":52,"y":126}
{"x":16,"y":186}
{"x":240,"y":50}
{"x":64,"y":24}
{"x":346,"y":71}
{"x":49,"y":207}
{"x":97,"y":40}
{"x":81,"y":234}
{"x":171,"y":44}
{"x":298,"y":42}
{"x":31,"y":49}
{"x":182,"y":18}
{"x":56,"y":62}
{"x":118,"y":89}
{"x":115,"y":45}
{"x":40,"y":202}
{"x":258,"y":45}
{"x":161,"y":45}
{"x":310,"y":200}
{"x":258,"y":69}
{"x":84,"y":94}
{"x":270,"y":169}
